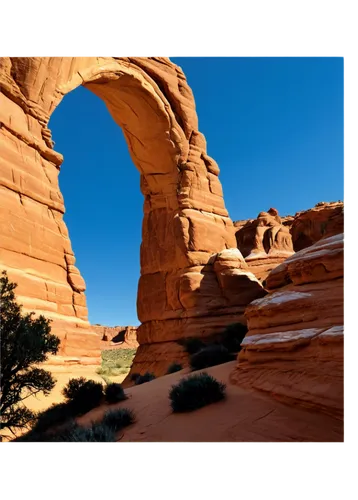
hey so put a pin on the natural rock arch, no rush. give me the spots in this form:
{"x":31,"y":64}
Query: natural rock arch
{"x":184,"y":281}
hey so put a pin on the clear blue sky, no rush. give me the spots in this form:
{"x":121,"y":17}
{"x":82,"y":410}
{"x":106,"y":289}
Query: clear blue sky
{"x":274,"y":125}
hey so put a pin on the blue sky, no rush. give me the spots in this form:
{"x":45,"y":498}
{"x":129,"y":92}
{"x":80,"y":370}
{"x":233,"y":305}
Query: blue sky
{"x":274,"y":125}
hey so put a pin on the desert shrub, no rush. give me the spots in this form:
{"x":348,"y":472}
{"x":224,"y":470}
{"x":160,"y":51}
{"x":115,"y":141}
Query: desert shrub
{"x":210,"y":356}
{"x":192,"y":345}
{"x":55,"y":415}
{"x":73,"y":387}
{"x":114,"y":393}
{"x":174,"y":367}
{"x":134,"y":376}
{"x":117,"y":419}
{"x":73,"y":435}
{"x":232,"y":337}
{"x":84,"y":395}
{"x":142,"y":379}
{"x":25,"y":342}
{"x":196,"y":391}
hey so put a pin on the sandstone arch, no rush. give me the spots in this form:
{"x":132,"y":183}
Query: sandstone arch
{"x":186,"y":225}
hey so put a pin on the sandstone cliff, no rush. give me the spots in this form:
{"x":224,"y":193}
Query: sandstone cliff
{"x":309,"y":226}
{"x":294,"y":347}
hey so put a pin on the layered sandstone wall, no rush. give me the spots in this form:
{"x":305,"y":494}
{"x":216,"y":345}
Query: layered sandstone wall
{"x":294,"y":347}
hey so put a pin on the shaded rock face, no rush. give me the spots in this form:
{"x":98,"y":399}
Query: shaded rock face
{"x":117,"y":337}
{"x":309,"y":226}
{"x":264,"y":242}
{"x":185,"y":279}
{"x":294,"y":347}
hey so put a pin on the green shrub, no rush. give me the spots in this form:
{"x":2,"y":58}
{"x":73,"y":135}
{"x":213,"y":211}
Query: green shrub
{"x":83,"y":394}
{"x":72,"y":432}
{"x":142,"y":379}
{"x":55,"y":415}
{"x":192,"y":345}
{"x":114,"y":393}
{"x":196,"y":391}
{"x":118,"y":419}
{"x":174,"y":367}
{"x":210,"y":356}
{"x":232,"y":337}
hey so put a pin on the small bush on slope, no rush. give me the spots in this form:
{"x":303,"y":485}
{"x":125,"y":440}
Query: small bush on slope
{"x":211,"y":355}
{"x":83,"y":394}
{"x":114,"y":393}
{"x":55,"y":415}
{"x":72,"y":432}
{"x":118,"y":419}
{"x":196,"y":391}
{"x":142,"y":379}
{"x":174,"y":367}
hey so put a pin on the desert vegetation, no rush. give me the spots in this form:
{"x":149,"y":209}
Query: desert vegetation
{"x":174,"y":367}
{"x":26,"y":341}
{"x":118,"y":419}
{"x":142,"y":379}
{"x":196,"y":391}
{"x":116,"y":362}
{"x":114,"y":393}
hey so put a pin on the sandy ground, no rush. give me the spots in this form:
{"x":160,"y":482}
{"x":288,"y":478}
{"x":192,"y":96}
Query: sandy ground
{"x":244,"y":416}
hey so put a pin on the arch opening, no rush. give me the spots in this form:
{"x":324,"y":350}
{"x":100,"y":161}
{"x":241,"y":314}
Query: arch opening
{"x":193,"y":280}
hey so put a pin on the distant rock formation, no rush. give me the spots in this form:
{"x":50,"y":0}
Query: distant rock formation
{"x":117,"y":337}
{"x":294,"y":347}
{"x":309,"y":226}
{"x":264,"y":242}
{"x":269,"y":239}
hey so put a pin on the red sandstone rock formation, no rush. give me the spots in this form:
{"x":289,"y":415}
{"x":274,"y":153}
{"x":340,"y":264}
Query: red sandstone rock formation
{"x":117,"y":337}
{"x":294,"y":347}
{"x":309,"y":226}
{"x":185,"y":221}
{"x":264,"y":242}
{"x":219,"y":291}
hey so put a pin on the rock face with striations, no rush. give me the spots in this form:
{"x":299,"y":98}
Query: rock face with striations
{"x":185,"y":277}
{"x":294,"y":347}
{"x":264,"y":242}
{"x":117,"y":337}
{"x":309,"y":226}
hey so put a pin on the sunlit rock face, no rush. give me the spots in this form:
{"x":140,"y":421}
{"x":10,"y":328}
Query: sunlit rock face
{"x":185,"y":277}
{"x":294,"y":347}
{"x":264,"y":242}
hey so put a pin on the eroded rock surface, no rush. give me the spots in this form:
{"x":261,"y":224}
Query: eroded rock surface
{"x":185,"y":220}
{"x":309,"y":226}
{"x":264,"y":242}
{"x":117,"y":337}
{"x":294,"y":347}
{"x":219,"y":291}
